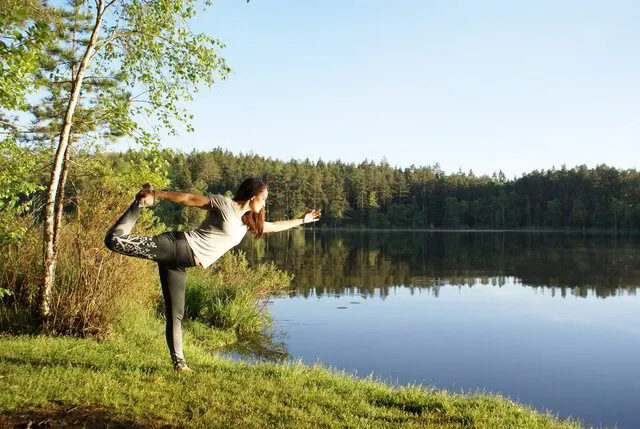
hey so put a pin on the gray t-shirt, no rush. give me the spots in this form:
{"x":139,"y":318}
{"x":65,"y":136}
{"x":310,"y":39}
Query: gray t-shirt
{"x":221,"y":230}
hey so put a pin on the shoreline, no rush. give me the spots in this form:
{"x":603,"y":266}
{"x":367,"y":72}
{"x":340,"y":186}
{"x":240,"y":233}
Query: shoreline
{"x":119,"y":382}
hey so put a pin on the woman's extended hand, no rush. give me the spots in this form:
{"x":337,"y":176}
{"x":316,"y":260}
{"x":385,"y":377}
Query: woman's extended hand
{"x":311,"y":216}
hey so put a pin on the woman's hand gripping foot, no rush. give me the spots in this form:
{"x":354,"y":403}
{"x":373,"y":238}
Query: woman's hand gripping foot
{"x":146,"y":195}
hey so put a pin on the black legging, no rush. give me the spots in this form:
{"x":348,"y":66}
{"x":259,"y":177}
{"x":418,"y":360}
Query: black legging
{"x":173,"y":254}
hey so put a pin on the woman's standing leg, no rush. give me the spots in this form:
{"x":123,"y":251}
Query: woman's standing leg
{"x":173,"y":291}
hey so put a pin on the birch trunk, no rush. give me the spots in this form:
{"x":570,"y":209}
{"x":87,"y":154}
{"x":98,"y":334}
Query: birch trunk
{"x":53,"y":190}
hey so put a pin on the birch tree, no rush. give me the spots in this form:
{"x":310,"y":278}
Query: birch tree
{"x":123,"y":69}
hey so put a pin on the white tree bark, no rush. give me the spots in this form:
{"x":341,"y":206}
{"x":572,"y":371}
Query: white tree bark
{"x":53,"y":190}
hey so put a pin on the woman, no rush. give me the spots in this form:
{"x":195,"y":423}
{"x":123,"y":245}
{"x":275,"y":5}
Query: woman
{"x":227,"y":221}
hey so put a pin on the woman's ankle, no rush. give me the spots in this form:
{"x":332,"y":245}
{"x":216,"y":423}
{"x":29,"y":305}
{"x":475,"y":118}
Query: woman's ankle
{"x":180,"y":365}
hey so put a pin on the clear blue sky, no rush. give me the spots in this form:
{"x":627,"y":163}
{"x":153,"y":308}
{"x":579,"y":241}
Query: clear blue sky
{"x":482,"y":85}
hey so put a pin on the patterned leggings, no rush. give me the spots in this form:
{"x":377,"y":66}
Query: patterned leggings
{"x":173,"y":254}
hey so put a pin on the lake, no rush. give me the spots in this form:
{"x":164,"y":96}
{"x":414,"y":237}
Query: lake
{"x":547,"y":319}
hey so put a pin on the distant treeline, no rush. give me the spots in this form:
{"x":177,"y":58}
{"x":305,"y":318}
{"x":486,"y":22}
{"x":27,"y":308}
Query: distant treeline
{"x":377,"y":195}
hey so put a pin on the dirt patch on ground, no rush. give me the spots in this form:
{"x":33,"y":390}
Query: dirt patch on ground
{"x":69,"y":416}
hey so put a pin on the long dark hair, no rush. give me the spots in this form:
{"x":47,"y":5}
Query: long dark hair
{"x":249,"y":188}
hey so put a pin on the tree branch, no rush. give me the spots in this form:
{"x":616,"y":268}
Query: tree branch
{"x":10,"y":125}
{"x":87,"y":78}
{"x":108,"y":5}
{"x":108,"y":40}
{"x":53,"y":133}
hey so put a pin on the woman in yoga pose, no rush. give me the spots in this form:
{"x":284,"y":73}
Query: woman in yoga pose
{"x":227,"y":221}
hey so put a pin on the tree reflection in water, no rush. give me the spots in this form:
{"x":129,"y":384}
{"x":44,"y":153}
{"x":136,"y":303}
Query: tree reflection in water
{"x":370,"y":262}
{"x":266,"y":346}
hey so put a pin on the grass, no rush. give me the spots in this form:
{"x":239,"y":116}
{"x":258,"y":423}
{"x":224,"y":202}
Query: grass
{"x":127,"y":382}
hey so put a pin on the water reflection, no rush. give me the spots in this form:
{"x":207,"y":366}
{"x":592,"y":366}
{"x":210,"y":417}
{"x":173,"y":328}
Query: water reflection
{"x":355,"y":262}
{"x":266,"y":346}
{"x":575,"y":356}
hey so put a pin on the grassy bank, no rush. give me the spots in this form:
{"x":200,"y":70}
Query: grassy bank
{"x":127,"y":381}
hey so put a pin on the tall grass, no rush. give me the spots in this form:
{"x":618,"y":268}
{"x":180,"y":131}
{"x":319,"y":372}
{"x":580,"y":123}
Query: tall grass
{"x":93,"y":287}
{"x":20,"y":270}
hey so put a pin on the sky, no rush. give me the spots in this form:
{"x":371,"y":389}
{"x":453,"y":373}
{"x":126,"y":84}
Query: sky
{"x":471,"y":85}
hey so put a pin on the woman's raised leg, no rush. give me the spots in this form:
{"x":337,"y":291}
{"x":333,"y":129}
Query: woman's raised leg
{"x":120,"y":240}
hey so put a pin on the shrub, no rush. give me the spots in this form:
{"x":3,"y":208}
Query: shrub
{"x":94,"y":286}
{"x":234,"y":296}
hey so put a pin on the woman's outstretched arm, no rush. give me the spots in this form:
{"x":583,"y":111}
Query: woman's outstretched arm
{"x":283,"y":225}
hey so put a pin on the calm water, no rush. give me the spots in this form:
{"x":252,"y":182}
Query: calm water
{"x":552,"y":320}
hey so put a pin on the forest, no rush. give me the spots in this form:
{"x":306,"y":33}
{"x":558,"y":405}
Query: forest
{"x":378,"y":195}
